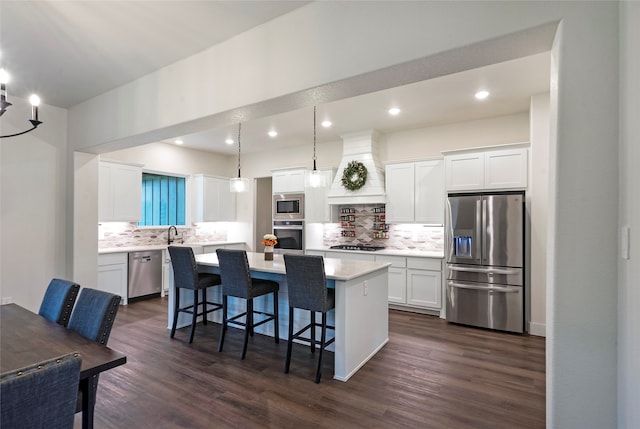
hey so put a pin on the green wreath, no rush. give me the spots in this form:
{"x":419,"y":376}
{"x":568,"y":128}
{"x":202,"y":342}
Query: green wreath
{"x":354,"y":175}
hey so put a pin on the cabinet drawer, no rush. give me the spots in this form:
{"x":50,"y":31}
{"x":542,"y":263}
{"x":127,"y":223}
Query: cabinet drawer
{"x":113,"y":259}
{"x":396,"y":261}
{"x":424,"y":264}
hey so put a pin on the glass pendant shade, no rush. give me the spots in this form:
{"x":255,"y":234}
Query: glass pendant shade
{"x":239,"y":184}
{"x":315,"y":179}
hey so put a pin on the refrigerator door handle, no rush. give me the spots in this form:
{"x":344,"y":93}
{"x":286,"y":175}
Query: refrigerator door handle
{"x":500,"y":289}
{"x":484,"y":230}
{"x":494,"y":270}
{"x":478,"y":229}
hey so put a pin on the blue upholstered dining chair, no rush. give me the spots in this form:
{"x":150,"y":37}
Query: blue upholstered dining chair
{"x":58,"y":301}
{"x":41,"y":396}
{"x":237,"y":282}
{"x":307,"y":290}
{"x":93,"y":318}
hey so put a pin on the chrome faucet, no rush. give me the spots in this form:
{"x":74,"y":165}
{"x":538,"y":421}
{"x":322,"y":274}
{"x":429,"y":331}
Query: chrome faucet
{"x":169,"y":239}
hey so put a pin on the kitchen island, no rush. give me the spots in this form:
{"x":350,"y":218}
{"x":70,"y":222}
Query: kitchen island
{"x":360,"y":317}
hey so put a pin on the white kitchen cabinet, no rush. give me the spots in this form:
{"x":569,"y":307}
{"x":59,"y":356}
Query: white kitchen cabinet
{"x":316,"y":202}
{"x":489,"y":169}
{"x":424,"y":283}
{"x":415,"y":192}
{"x":400,"y":190}
{"x":213,"y":200}
{"x":288,"y":181}
{"x":119,"y":192}
{"x":397,"y":278}
{"x":505,"y":169}
{"x":112,"y":274}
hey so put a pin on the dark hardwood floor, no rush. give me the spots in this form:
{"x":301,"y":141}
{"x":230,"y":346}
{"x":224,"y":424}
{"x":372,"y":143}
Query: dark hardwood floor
{"x":430,"y":375}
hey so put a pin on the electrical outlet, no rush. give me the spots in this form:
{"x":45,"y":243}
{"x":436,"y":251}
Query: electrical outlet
{"x":365,"y":288}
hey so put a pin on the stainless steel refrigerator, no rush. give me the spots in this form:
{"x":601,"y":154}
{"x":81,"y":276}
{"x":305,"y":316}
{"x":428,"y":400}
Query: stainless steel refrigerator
{"x":485,"y":256}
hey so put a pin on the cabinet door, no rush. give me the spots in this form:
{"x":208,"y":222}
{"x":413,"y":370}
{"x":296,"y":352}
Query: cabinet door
{"x":424,"y":288}
{"x":398,"y":285}
{"x":429,"y":192}
{"x":127,"y":192}
{"x":464,"y":172}
{"x":400,"y":189}
{"x":113,"y":279}
{"x":505,"y":169}
{"x":214,"y":200}
{"x":287,"y":181}
{"x":105,"y":195}
{"x":120,"y":192}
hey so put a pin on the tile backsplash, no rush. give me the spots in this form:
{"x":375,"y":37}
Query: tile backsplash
{"x":401,"y":236}
{"x":128,"y":234}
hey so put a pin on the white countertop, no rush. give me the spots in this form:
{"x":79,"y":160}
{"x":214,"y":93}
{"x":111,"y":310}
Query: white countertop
{"x":386,"y":252}
{"x":128,"y":249}
{"x":335,"y":269}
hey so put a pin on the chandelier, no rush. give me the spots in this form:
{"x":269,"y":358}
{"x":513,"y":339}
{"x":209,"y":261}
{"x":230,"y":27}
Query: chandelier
{"x":4,"y":104}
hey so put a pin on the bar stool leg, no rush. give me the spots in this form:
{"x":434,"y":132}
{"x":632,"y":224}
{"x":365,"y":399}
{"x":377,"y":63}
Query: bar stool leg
{"x":195,"y":315}
{"x":204,"y":306}
{"x":276,"y":318}
{"x":313,"y":331}
{"x":323,"y":337}
{"x":287,"y":361}
{"x":248,"y":326}
{"x":176,"y":306}
{"x":224,"y":322}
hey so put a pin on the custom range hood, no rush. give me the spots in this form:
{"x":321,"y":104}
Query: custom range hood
{"x":360,"y":147}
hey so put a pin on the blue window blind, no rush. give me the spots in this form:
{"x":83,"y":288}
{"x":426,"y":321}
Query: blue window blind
{"x":163,"y":200}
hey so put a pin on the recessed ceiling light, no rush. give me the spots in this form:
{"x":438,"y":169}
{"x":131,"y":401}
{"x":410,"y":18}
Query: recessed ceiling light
{"x":229,"y":141}
{"x":481,"y":95}
{"x":273,"y":133}
{"x":394,"y":111}
{"x":178,"y":142}
{"x":326,"y":124}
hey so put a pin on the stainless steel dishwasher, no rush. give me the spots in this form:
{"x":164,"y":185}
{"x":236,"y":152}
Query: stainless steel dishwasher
{"x":145,"y":273}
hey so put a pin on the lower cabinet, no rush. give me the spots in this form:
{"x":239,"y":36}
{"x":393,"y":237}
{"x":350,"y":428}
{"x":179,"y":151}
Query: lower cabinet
{"x":424,"y":283}
{"x":414,"y":282}
{"x":112,"y":274}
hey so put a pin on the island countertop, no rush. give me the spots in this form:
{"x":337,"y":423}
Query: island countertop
{"x":335,"y":269}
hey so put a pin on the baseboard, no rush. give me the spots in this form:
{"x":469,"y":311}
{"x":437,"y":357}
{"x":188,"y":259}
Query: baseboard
{"x":537,"y":329}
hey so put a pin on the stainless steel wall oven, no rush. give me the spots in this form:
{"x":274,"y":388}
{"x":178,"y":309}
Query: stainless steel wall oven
{"x":290,"y":235}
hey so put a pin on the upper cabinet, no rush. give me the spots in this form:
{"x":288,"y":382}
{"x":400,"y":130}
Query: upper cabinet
{"x":213,"y":199}
{"x":505,"y":168}
{"x":316,"y":203}
{"x":119,"y":192}
{"x":288,"y":181}
{"x":415,"y":192}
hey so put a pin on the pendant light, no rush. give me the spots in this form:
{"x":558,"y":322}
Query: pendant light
{"x":239,"y":184}
{"x":315,"y":177}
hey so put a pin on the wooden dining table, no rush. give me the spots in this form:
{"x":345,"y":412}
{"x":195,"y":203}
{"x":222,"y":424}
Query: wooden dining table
{"x":27,"y":338}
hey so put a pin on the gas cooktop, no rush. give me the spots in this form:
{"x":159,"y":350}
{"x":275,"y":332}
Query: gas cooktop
{"x":356,"y":247}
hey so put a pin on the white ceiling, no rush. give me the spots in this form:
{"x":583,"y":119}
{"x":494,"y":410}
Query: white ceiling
{"x":70,"y":51}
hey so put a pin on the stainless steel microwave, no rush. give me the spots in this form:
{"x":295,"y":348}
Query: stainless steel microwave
{"x":288,"y":206}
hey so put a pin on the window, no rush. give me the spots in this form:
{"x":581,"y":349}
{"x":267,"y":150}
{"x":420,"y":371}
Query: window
{"x":163,"y":200}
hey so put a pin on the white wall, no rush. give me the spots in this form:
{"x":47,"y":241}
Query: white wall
{"x":169,"y":158}
{"x":629,"y":176}
{"x":34,"y":196}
